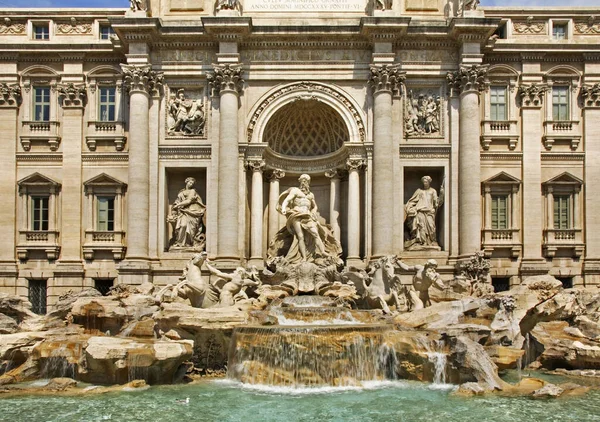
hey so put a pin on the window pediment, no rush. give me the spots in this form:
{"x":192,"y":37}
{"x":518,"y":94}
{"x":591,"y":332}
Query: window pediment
{"x":37,"y":181}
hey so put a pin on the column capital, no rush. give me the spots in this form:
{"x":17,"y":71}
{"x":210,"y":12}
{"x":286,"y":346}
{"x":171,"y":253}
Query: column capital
{"x":532,"y":96}
{"x":276,"y":174}
{"x":333,"y":174}
{"x":355,"y":164}
{"x":73,"y":96}
{"x":10,"y":95}
{"x":256,"y":164}
{"x":591,"y":95}
{"x":141,"y":78}
{"x":467,"y":79}
{"x":226,"y":77}
{"x":386,"y":78}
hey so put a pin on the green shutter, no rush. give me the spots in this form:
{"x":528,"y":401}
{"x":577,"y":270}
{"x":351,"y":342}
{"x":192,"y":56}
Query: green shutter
{"x":500,"y":212}
{"x":562,"y":212}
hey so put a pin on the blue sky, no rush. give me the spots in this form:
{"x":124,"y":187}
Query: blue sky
{"x":125,"y":3}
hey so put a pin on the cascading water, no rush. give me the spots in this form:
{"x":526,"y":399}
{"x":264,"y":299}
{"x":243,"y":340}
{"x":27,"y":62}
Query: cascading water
{"x":324,"y":346}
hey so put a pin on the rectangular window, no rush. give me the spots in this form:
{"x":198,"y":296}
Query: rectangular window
{"x":41,"y":103}
{"x":103,"y":285}
{"x":106,"y":104}
{"x":106,"y":213}
{"x":559,"y":31}
{"x":41,"y":31}
{"x":562,"y":212}
{"x":560,"y":103}
{"x":499,"y":211}
{"x":39,"y":213}
{"x":498,"y":103}
{"x":501,"y":284}
{"x":105,"y":32}
{"x":37,"y":296}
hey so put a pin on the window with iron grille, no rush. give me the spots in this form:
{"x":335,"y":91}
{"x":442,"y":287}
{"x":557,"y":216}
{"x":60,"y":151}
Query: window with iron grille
{"x":498,"y":103}
{"x":41,"y":31}
{"x":560,"y":103}
{"x":106,"y":32}
{"x":501,"y":284}
{"x":103,"y":285}
{"x":106,"y":104}
{"x":41,"y":103}
{"x":39,"y":213}
{"x":559,"y":31}
{"x":562,"y":212}
{"x":106,"y":213}
{"x":38,"y":296}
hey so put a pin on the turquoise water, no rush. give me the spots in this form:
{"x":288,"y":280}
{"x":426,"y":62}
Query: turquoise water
{"x":225,"y":401}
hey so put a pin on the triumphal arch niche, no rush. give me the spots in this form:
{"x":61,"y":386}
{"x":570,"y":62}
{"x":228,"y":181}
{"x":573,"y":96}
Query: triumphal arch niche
{"x":315,"y":129}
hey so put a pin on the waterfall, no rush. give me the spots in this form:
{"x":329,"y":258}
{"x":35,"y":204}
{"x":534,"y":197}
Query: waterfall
{"x":439,"y":361}
{"x":307,"y":356}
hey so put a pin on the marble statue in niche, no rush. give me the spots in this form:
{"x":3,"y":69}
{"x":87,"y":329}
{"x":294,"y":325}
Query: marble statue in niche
{"x":422,"y":114}
{"x":306,"y":237}
{"x":419,"y":214}
{"x":187,"y":216}
{"x":185,"y":116}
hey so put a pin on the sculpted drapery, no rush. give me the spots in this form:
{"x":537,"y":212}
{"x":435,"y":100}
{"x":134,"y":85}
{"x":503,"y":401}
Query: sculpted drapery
{"x":187,"y":215}
{"x":420,"y":212}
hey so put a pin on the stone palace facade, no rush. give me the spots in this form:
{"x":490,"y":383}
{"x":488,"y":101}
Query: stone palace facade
{"x":133,"y":138}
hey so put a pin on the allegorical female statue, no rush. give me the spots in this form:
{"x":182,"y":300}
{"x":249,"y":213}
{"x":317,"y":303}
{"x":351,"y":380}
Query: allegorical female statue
{"x":305,"y":236}
{"x":419,"y":213}
{"x":187,"y":218}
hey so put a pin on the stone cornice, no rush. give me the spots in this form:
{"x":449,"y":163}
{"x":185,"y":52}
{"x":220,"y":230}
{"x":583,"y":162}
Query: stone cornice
{"x":560,"y":156}
{"x":184,"y":153}
{"x":384,"y":28}
{"x":386,"y":78}
{"x":55,"y":157}
{"x":141,"y":78}
{"x":501,"y":156}
{"x":424,"y":152}
{"x":10,"y":95}
{"x":226,"y":77}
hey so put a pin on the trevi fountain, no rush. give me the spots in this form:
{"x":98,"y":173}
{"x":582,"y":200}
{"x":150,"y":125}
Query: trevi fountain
{"x":306,"y":338}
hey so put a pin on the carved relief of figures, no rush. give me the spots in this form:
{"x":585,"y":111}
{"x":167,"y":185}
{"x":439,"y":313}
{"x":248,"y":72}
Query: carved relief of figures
{"x":9,"y":27}
{"x":228,"y":5}
{"x":138,"y":5}
{"x":186,"y":116}
{"x":383,"y":5}
{"x":467,"y":5}
{"x":419,"y":213}
{"x":422,"y":114}
{"x":74,"y":27}
{"x":187,"y":217}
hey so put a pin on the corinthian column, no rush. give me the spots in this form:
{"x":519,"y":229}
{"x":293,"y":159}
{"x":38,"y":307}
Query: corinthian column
{"x":274,"y":179}
{"x":226,"y":81}
{"x":256,"y":209}
{"x":591,"y":129}
{"x":354,"y":165}
{"x":10,"y":96}
{"x":531,"y":109}
{"x":141,"y":82}
{"x":334,"y":202}
{"x":469,"y":81}
{"x":385,"y":80}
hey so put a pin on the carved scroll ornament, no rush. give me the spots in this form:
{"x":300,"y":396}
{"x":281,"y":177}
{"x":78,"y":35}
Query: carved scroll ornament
{"x":141,"y":78}
{"x":227,"y":77}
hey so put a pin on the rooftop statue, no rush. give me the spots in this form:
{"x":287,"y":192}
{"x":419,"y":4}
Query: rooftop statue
{"x":187,"y":217}
{"x":306,"y":237}
{"x":419,"y":213}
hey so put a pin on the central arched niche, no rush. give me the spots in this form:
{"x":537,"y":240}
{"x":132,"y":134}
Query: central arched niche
{"x":305,"y":128}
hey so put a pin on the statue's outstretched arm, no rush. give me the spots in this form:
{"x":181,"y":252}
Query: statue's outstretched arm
{"x":218,"y":273}
{"x":406,"y":267}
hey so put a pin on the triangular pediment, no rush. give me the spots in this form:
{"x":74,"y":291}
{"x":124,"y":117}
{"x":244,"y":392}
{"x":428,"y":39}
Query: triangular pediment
{"x":37,"y":179}
{"x":564,"y":179}
{"x":104,"y":180}
{"x":502,"y":178}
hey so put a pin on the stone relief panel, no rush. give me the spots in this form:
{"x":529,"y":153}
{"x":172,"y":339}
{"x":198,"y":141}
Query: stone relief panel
{"x":425,"y":55}
{"x":8,"y":27}
{"x":423,"y":113}
{"x":186,"y":113}
{"x":590,"y":27}
{"x":74,"y":27}
{"x":530,"y":27}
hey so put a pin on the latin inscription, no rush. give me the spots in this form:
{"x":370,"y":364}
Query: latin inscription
{"x":305,"y":5}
